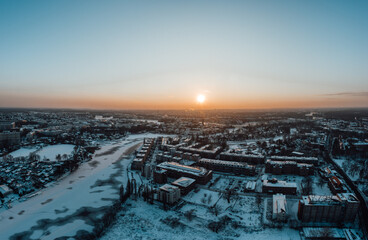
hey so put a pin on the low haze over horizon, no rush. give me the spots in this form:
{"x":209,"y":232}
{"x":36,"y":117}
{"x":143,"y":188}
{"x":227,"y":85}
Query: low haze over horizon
{"x":182,"y":55}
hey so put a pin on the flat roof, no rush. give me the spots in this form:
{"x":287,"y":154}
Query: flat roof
{"x":184,"y":181}
{"x":226,"y":163}
{"x":278,"y":183}
{"x":320,"y":200}
{"x":183,"y":168}
{"x":168,"y":188}
{"x":279,"y":203}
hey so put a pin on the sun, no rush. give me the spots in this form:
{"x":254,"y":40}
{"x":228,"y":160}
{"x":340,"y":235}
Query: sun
{"x":201,"y":98}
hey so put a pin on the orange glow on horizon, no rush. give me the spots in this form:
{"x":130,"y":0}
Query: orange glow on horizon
{"x":167,"y":103}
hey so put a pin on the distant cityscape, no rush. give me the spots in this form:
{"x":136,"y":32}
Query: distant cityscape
{"x":235,"y":174}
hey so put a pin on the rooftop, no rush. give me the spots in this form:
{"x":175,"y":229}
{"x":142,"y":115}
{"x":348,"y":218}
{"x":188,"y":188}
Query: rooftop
{"x":184,"y":182}
{"x":169,"y":188}
{"x":183,"y":168}
{"x":277,"y":183}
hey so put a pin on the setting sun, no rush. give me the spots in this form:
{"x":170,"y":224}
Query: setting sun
{"x":201,"y":98}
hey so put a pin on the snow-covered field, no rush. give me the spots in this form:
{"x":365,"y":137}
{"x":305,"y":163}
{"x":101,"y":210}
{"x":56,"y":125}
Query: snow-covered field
{"x":23,"y":152}
{"x":141,"y":220}
{"x":50,"y":152}
{"x":76,"y":203}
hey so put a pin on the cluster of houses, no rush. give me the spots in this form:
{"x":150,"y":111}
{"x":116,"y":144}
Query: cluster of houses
{"x":23,"y":177}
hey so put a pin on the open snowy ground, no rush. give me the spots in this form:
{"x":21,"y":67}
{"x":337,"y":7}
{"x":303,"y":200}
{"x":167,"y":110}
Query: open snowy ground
{"x":50,"y":152}
{"x":23,"y":152}
{"x":75,"y":204}
{"x":141,"y":220}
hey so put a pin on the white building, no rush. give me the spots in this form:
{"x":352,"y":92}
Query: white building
{"x":279,"y":211}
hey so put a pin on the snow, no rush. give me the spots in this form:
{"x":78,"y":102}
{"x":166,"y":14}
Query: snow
{"x":141,"y":220}
{"x":23,"y":152}
{"x":50,"y":152}
{"x":78,"y":200}
{"x":274,"y":234}
{"x":340,"y":162}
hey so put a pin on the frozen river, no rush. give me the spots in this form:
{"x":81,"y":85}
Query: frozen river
{"x":75,"y":204}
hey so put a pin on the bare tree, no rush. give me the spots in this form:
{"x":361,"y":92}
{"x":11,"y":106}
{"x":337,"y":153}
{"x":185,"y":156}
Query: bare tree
{"x":228,"y":195}
{"x":321,"y":182}
{"x":190,"y":214}
{"x":216,"y":209}
{"x":307,"y":185}
{"x":209,"y":199}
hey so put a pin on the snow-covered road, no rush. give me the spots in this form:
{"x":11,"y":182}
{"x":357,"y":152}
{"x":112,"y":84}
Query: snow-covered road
{"x":76,"y":203}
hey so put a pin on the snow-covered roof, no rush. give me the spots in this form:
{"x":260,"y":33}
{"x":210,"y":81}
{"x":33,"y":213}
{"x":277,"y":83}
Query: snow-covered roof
{"x":4,"y":189}
{"x":184,"y":182}
{"x":296,"y":159}
{"x":319,"y":232}
{"x":243,"y":155}
{"x":183,"y":168}
{"x":278,"y":183}
{"x":225,"y":163}
{"x":169,"y":188}
{"x":279,"y":203}
{"x":320,"y":200}
{"x":349,"y":197}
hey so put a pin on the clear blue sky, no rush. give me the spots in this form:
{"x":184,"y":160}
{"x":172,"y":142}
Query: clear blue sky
{"x":162,"y":54}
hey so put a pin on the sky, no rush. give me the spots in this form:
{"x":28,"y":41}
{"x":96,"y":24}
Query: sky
{"x":163,"y":54}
